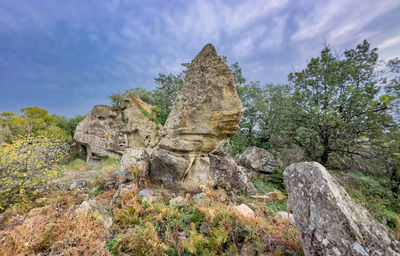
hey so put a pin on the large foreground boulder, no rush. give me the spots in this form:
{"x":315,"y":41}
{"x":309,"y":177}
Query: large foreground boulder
{"x":206,"y":111}
{"x":329,"y":221}
{"x":108,"y":132}
{"x":258,"y":159}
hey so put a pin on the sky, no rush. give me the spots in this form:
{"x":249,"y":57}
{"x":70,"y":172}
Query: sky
{"x":67,"y":56}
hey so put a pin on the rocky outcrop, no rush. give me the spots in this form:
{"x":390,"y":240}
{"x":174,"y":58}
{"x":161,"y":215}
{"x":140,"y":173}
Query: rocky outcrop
{"x":329,"y":221}
{"x":258,"y":159}
{"x":108,"y":132}
{"x":206,"y":111}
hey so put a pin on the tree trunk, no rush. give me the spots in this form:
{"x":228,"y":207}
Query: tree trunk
{"x":325,"y":156}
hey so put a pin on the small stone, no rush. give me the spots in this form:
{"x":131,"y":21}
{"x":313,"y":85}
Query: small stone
{"x":178,"y":201}
{"x":83,"y":208}
{"x":78,"y":185}
{"x":205,"y":228}
{"x":93,"y":202}
{"x":107,"y":221}
{"x":148,"y":194}
{"x":285,"y":215}
{"x":265,"y":197}
{"x":244,"y":210}
{"x":123,"y":188}
{"x":200,"y":198}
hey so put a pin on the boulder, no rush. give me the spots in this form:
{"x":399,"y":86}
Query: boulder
{"x":207,"y":110}
{"x":226,"y":173}
{"x":133,"y":158}
{"x":109,"y":132}
{"x":259,"y":160}
{"x":148,"y":194}
{"x":285,"y":215}
{"x":100,"y":133}
{"x":329,"y":221}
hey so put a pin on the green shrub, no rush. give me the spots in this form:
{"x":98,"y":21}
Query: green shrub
{"x":27,"y":163}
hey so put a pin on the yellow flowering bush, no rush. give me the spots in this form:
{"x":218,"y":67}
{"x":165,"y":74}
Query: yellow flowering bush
{"x":28,"y":162}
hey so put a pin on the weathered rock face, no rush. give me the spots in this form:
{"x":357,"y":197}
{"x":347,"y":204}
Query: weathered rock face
{"x":140,"y":131}
{"x":329,"y":221}
{"x":226,"y":172}
{"x":206,"y":111}
{"x":105,"y":132}
{"x":133,"y":158}
{"x":101,"y":133}
{"x":259,"y":160}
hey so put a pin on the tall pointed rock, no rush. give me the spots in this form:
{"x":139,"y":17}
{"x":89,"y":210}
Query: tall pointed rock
{"x":207,"y":108}
{"x":206,"y":111}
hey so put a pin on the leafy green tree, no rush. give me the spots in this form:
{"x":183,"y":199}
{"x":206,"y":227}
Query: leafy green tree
{"x":67,"y":124}
{"x":338,"y":108}
{"x":31,"y":122}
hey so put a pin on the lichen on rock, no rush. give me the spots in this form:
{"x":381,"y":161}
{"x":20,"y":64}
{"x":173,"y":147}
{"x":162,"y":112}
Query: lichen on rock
{"x":329,"y":221}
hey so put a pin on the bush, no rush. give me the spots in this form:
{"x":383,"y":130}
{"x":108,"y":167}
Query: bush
{"x":26,"y":163}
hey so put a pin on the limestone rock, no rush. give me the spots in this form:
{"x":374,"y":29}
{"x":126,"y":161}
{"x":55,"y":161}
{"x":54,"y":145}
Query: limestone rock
{"x":140,"y":131}
{"x":285,"y":215}
{"x":329,"y":221}
{"x":148,"y":194}
{"x":259,"y":160}
{"x":100,"y":133}
{"x":180,"y":170}
{"x":225,"y":172}
{"x":206,"y":111}
{"x":123,"y":188}
{"x":178,"y":201}
{"x":108,"y":132}
{"x":244,"y":210}
{"x":133,"y":158}
{"x":82,"y":209}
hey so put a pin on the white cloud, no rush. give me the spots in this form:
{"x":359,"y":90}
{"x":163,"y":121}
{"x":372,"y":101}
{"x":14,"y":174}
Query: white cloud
{"x":389,"y":42}
{"x":339,"y":20}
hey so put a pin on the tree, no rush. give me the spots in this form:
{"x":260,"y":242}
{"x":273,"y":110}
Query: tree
{"x":67,"y":124}
{"x":337,"y":105}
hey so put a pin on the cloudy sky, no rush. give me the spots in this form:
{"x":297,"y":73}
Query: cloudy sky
{"x":66,"y":56}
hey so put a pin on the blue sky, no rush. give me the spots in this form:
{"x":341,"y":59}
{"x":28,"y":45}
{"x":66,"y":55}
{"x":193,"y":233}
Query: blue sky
{"x":67,"y":56}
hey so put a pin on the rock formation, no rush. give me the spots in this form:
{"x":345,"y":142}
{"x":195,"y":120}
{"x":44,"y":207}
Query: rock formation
{"x":206,"y":111}
{"x":108,"y":132}
{"x":258,"y":159}
{"x":329,"y":221}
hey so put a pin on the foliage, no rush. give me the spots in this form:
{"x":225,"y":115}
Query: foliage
{"x":210,"y":227}
{"x":32,"y":121}
{"x":266,"y":116}
{"x":336,"y":104}
{"x":26,"y":163}
{"x":67,"y":124}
